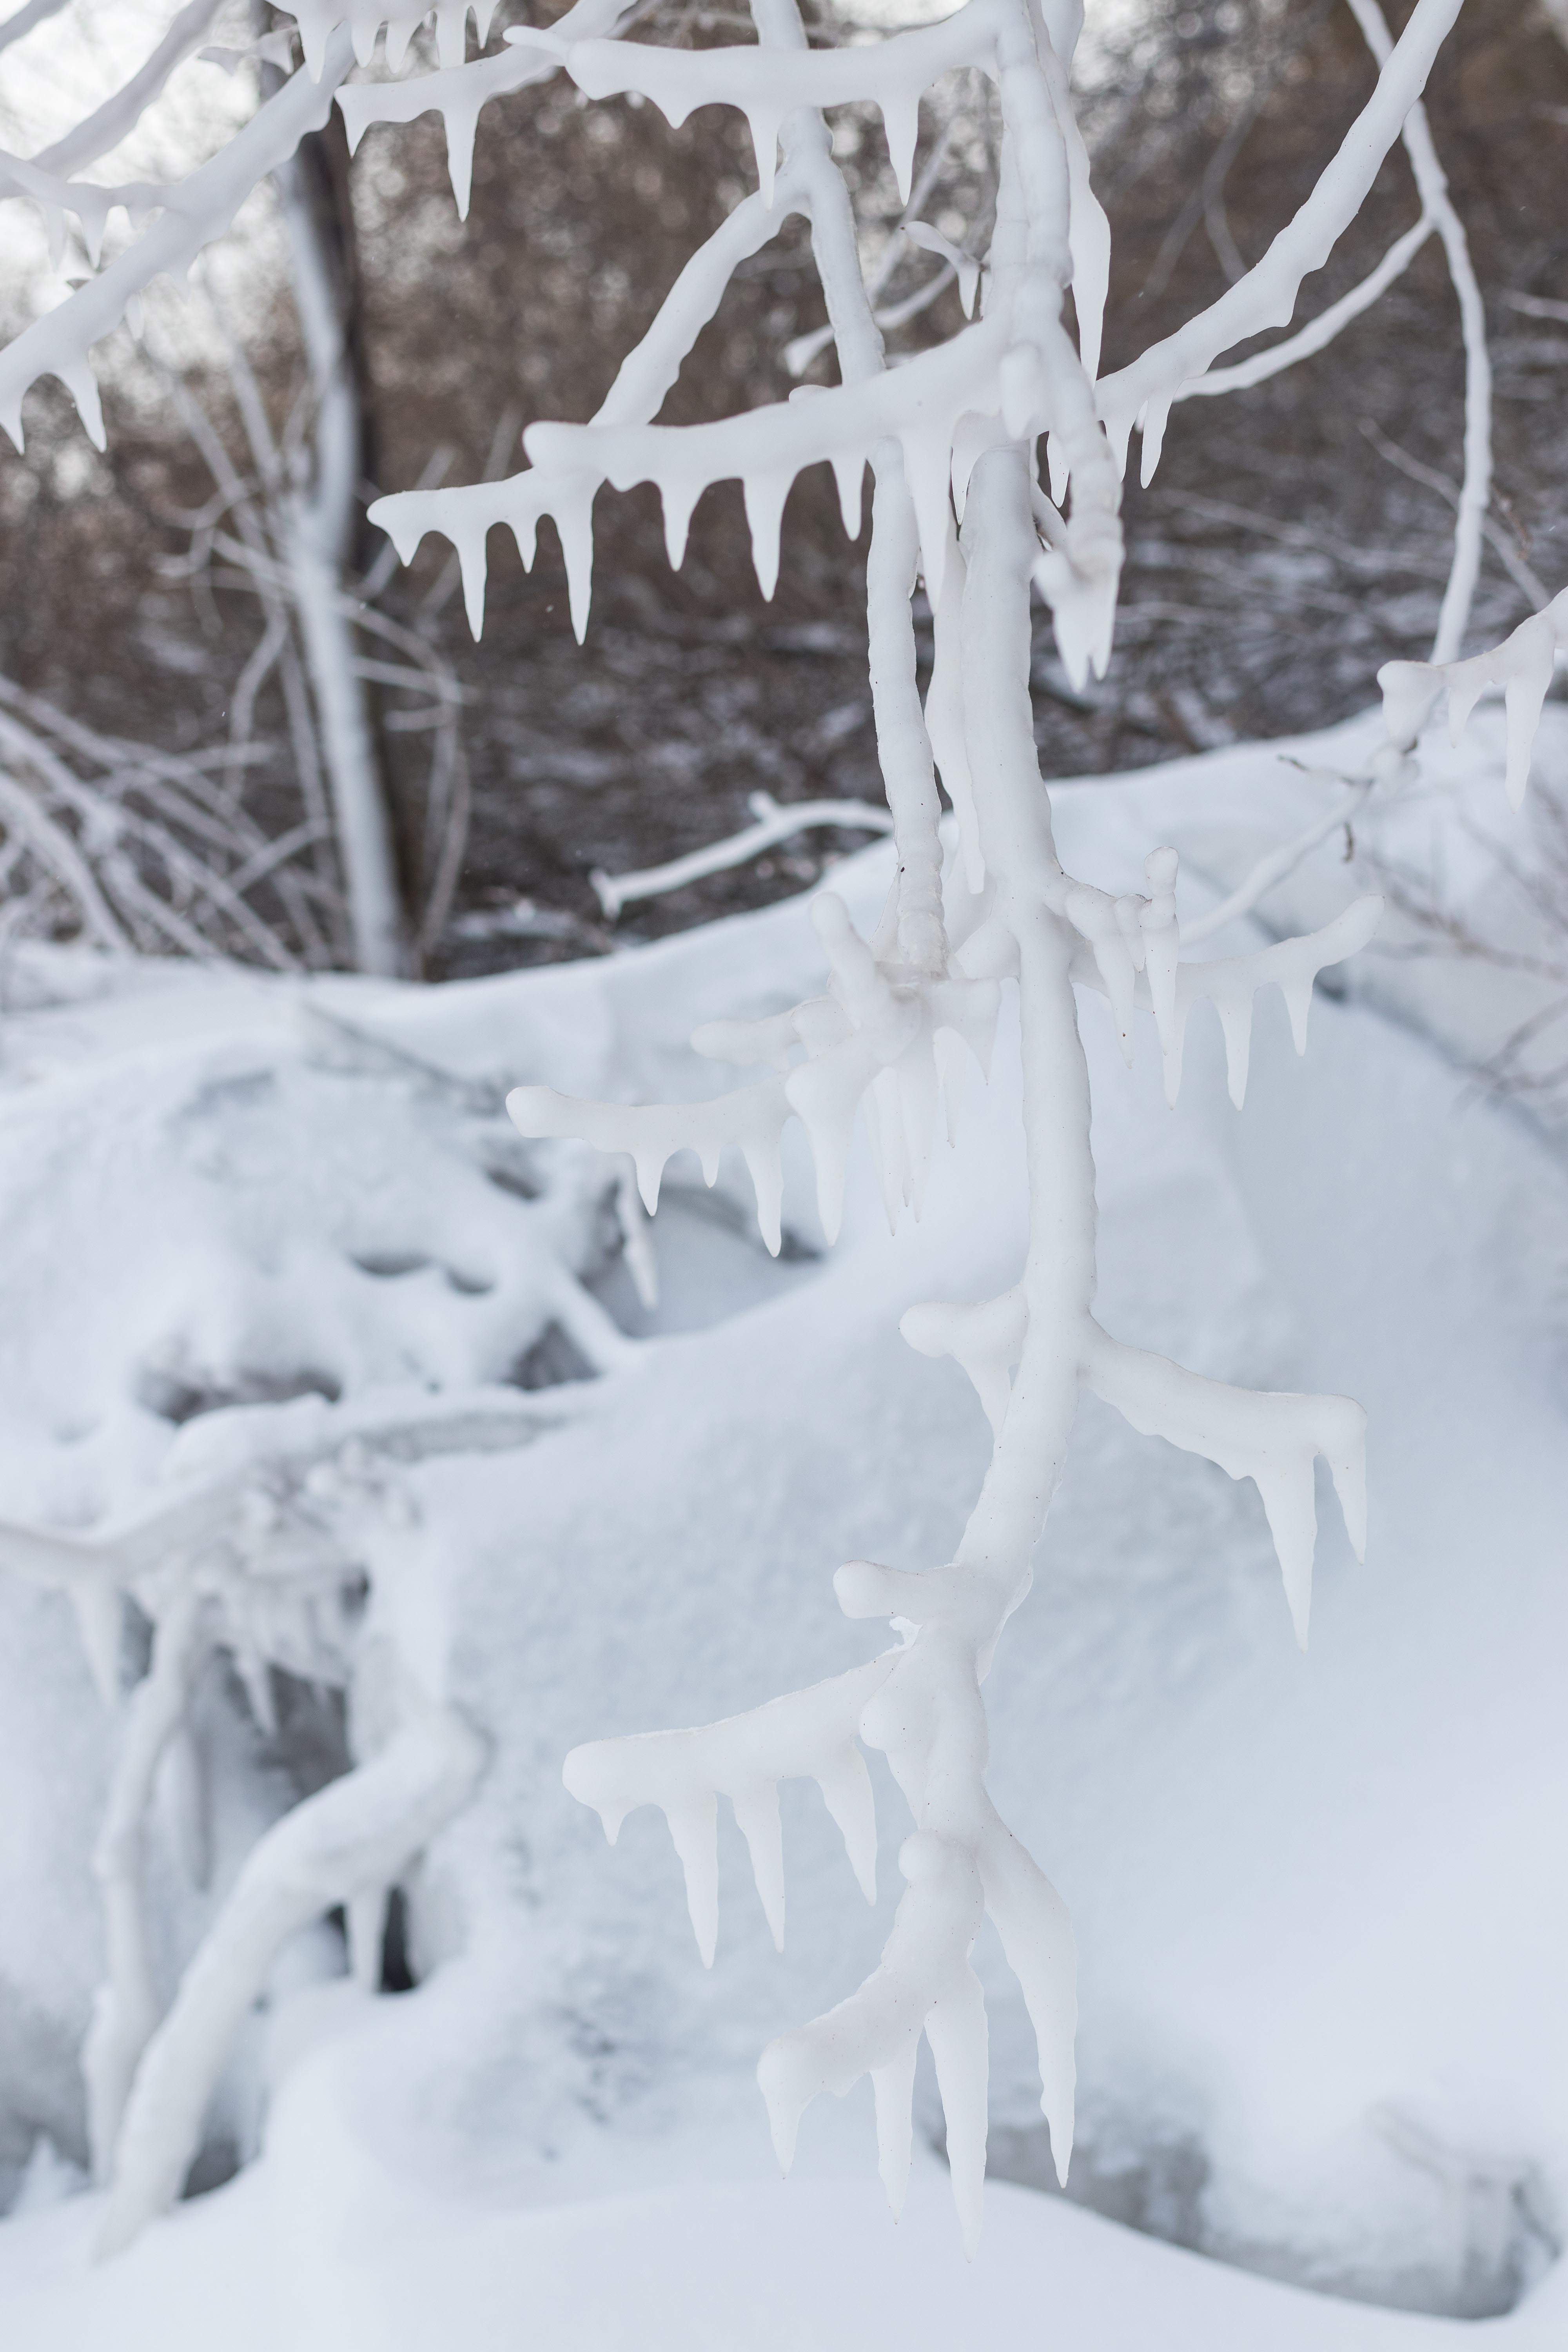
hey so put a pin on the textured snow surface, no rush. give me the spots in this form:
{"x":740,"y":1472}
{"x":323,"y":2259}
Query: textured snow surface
{"x":1320,"y":1903}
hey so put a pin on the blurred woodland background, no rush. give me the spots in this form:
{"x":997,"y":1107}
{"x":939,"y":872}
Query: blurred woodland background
{"x":1298,"y":535}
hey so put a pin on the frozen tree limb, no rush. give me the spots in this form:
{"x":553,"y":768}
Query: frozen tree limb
{"x":776,"y":821}
{"x":1251,"y":1434}
{"x":951,"y":438}
{"x":127,"y":2008}
{"x":196,"y":213}
{"x":1266,"y":296}
{"x":358,"y":1833}
{"x":1521,"y":667}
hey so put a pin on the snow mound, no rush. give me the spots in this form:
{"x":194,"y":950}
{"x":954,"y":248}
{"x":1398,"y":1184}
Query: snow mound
{"x":1320,"y":1904}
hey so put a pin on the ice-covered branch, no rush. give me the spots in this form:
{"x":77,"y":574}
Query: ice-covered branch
{"x":196,"y":212}
{"x":776,"y":821}
{"x":1169,"y":989}
{"x":1144,"y":391}
{"x":1476,"y":489}
{"x":767,"y":84}
{"x":877,"y":1035}
{"x":1269,"y":1437}
{"x":355,"y":1835}
{"x":108,"y":124}
{"x":127,"y":2008}
{"x":1521,"y":667}
{"x":1321,"y":332}
{"x":460,"y":91}
{"x":809,"y":1736}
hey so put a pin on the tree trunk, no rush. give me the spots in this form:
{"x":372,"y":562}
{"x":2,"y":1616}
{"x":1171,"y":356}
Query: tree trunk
{"x":320,"y":529}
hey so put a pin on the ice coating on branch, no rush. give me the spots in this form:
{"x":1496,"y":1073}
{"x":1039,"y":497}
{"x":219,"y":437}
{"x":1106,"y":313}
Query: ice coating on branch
{"x":948,"y":432}
{"x":875,"y":1029}
{"x":1271,"y":1438}
{"x":767,"y":84}
{"x":196,"y":213}
{"x":751,"y":1121}
{"x":1521,"y":668}
{"x":319,"y":19}
{"x":809,"y":1736}
{"x":1135,"y":946}
{"x":985,"y":1341}
{"x":1142,"y":393}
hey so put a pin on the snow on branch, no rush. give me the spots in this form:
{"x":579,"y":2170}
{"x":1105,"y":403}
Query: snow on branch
{"x":1521,"y":668}
{"x":1271,"y":1438}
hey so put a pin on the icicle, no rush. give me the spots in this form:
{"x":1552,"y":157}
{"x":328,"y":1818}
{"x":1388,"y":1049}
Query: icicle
{"x":1298,"y":995}
{"x":1097,"y":919}
{"x":928,"y":468}
{"x":764,"y":1165}
{"x":461,"y":117}
{"x":694,"y":1826}
{"x":1036,"y":1937}
{"x":785,"y":2104}
{"x":649,"y":1163}
{"x":847,"y":1791}
{"x":1268,"y":1437}
{"x":362,"y":32}
{"x":849,"y":473}
{"x":79,"y":381}
{"x":763,"y":122}
{"x":573,"y":513}
{"x":1235,"y":1024}
{"x":764,"y":496}
{"x":637,"y":1243}
{"x":1156,"y":416}
{"x":315,"y":21}
{"x":1523,"y":697}
{"x":956,"y":2031}
{"x":951,"y":1062}
{"x":894,"y":2089}
{"x":1057,"y":468}
{"x":473,"y":562}
{"x":451,"y":32}
{"x":900,"y":124}
{"x":825,"y":1093}
{"x":400,"y":32}
{"x":757,"y":1816}
{"x":679,"y":497}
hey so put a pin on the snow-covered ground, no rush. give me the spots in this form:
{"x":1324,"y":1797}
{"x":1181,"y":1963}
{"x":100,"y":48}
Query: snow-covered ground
{"x":1322,"y":1904}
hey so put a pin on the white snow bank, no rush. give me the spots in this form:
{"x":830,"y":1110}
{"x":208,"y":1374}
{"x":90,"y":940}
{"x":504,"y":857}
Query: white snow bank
{"x":325,"y":2247}
{"x":1321,"y":1905}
